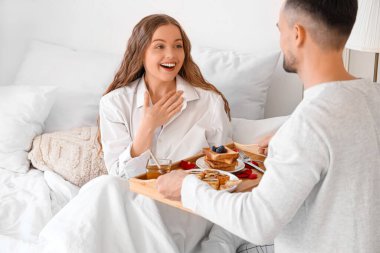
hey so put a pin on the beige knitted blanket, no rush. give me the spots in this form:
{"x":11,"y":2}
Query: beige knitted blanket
{"x":72,"y":154}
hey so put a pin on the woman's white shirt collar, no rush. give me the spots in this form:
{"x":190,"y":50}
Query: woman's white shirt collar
{"x":189,"y":91}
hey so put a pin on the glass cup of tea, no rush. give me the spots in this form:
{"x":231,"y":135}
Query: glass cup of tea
{"x":152,"y":170}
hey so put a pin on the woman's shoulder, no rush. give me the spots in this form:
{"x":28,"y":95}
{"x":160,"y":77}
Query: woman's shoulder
{"x":121,"y":93}
{"x":208,"y":94}
{"x":196,"y":91}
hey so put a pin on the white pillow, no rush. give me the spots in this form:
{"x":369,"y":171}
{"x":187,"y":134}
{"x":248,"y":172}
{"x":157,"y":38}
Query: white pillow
{"x":250,"y":131}
{"x":81,"y":75}
{"x":244,"y":78}
{"x":23,"y":110}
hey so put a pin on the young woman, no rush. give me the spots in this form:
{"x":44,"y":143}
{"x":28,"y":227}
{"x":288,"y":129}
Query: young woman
{"x":159,"y":101}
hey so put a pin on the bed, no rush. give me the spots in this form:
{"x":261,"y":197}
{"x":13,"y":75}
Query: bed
{"x":67,"y":58}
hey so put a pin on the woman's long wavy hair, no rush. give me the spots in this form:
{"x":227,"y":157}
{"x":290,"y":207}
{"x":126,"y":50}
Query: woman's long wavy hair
{"x":132,"y":66}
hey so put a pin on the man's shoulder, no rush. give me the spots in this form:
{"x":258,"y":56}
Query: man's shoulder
{"x":335,"y":103}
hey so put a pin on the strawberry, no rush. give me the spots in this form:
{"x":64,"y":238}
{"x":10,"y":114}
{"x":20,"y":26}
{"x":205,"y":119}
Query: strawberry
{"x":186,"y":165}
{"x":242,"y":175}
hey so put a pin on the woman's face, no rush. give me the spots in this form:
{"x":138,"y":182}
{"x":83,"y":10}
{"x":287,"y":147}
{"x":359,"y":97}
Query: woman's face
{"x":165,"y":55}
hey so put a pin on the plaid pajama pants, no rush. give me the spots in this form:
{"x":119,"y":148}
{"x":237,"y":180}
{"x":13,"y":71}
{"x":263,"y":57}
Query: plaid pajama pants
{"x":252,"y":248}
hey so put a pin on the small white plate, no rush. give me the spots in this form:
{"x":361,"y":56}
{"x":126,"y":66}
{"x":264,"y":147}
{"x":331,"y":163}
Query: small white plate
{"x":200,"y":162}
{"x":232,"y":177}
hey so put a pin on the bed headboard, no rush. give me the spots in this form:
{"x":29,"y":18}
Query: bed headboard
{"x":99,"y":25}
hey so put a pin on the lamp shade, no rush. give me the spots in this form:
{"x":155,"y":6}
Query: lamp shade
{"x":365,"y":35}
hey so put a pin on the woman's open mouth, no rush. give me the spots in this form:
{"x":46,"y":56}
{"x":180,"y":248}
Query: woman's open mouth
{"x":168,"y":66}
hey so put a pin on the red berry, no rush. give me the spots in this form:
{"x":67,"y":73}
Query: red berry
{"x":242,"y":175}
{"x":255,"y":163}
{"x":252,"y":176}
{"x":186,"y":165}
{"x":248,"y":171}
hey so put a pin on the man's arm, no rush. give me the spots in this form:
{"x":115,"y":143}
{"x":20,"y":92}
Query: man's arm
{"x":296,"y":161}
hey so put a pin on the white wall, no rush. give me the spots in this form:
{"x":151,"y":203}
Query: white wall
{"x":15,"y":31}
{"x":89,"y":24}
{"x":362,"y":64}
{"x":100,"y":25}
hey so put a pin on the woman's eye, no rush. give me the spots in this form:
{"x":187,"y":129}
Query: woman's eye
{"x":159,"y":46}
{"x":179,"y":46}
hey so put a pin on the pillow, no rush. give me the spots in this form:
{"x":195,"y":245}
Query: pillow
{"x":244,"y":79}
{"x":72,"y":154}
{"x":23,"y":111}
{"x":250,"y":131}
{"x":81,"y":75}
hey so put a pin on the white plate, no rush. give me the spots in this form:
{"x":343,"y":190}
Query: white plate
{"x":232,"y":177}
{"x":200,"y":162}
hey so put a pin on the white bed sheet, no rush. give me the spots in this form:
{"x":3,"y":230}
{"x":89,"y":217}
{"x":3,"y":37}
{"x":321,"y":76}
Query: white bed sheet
{"x":27,"y":202}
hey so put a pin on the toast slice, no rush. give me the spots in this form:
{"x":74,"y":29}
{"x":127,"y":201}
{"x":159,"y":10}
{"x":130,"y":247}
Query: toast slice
{"x":218,"y":164}
{"x":229,"y":157}
{"x":221,"y":166}
{"x":223,"y":161}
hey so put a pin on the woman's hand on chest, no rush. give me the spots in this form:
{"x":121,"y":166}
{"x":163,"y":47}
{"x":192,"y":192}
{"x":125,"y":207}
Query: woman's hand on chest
{"x":163,"y":110}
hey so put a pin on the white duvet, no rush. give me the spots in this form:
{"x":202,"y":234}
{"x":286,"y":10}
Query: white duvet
{"x":27,"y":203}
{"x":106,"y":217}
{"x":34,"y":217}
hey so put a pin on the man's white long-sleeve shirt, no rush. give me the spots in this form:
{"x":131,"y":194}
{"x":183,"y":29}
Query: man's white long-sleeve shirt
{"x":320,"y":192}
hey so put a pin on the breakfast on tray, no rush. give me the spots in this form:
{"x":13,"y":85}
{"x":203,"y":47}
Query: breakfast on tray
{"x":221,"y":158}
{"x":215,"y":179}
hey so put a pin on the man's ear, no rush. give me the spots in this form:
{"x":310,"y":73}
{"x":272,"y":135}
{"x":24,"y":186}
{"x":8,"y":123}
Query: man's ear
{"x":299,"y":34}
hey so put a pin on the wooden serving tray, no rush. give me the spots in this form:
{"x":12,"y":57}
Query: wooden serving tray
{"x":147,"y":187}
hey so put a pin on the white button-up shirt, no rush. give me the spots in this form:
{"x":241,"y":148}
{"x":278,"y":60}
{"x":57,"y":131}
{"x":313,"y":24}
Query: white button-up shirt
{"x":201,"y":122}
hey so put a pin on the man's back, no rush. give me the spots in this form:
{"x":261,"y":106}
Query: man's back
{"x":337,"y":129}
{"x":319,"y":192}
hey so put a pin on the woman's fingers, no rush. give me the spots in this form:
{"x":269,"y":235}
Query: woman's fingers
{"x":173,"y":99}
{"x":166,"y":107}
{"x":165,"y":98}
{"x":175,"y":105}
{"x":174,"y":111}
{"x":170,"y":103}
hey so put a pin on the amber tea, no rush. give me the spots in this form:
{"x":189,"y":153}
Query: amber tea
{"x":152,"y":170}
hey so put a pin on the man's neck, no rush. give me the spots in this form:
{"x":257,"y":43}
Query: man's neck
{"x":322,"y":68}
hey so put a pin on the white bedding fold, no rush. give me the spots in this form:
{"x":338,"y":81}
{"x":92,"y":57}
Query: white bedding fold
{"x":62,"y":191}
{"x":106,"y":217}
{"x":25,"y":205}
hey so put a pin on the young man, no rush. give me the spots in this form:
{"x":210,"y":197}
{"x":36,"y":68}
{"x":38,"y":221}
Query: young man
{"x":320,"y":191}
